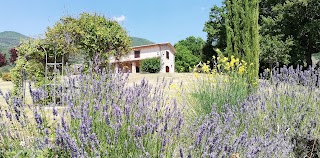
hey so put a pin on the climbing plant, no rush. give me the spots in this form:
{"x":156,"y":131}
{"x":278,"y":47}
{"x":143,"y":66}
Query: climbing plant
{"x":30,"y":61}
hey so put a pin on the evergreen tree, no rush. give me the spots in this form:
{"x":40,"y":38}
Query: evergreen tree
{"x":243,"y":33}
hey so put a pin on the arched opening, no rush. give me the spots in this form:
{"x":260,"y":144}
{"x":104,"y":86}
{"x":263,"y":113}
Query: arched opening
{"x":167,"y":69}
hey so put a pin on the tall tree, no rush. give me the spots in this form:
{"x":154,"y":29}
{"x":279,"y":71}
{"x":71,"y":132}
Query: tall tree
{"x":243,"y":33}
{"x":184,"y":58}
{"x":216,"y":32}
{"x":95,"y":35}
{"x":189,"y":52}
{"x":90,"y":34}
{"x":194,"y":44}
{"x":295,"y":24}
{"x":301,"y":21}
{"x":275,"y":46}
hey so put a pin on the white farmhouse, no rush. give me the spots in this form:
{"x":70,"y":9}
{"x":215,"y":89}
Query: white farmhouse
{"x":131,"y":62}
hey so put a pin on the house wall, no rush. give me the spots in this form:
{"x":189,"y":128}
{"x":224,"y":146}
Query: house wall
{"x":167,"y":62}
{"x":150,"y":52}
{"x":145,"y":53}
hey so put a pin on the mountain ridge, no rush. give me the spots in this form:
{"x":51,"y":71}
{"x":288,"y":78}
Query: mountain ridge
{"x":11,"y":39}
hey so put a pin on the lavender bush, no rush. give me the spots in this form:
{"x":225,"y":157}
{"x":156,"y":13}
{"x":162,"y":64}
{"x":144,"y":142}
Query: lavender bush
{"x":100,"y":115}
{"x":279,"y":120}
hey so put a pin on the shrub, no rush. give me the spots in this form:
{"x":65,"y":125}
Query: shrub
{"x":101,"y":118}
{"x":3,"y":60}
{"x":13,"y":55}
{"x":151,"y":65}
{"x":6,"y":76}
{"x":225,"y":84}
{"x":281,"y":116}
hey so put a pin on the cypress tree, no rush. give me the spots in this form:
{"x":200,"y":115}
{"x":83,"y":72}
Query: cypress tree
{"x":243,"y":34}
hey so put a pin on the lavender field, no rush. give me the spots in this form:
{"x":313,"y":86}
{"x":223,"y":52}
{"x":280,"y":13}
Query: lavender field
{"x":109,"y":115}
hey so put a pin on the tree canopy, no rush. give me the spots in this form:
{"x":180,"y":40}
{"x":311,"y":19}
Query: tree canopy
{"x":188,"y":53}
{"x":90,"y":35}
{"x":184,"y":59}
{"x":289,"y":31}
{"x":93,"y":34}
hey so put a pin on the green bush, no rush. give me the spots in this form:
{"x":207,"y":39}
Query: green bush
{"x":6,"y":76}
{"x":151,"y":65}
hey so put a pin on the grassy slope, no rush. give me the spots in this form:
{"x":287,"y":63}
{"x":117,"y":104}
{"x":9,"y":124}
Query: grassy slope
{"x":10,"y":39}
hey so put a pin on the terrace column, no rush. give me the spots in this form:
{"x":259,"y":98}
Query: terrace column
{"x":133,"y":69}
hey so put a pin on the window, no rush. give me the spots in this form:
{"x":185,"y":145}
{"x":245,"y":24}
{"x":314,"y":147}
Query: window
{"x":167,"y":54}
{"x":137,"y":54}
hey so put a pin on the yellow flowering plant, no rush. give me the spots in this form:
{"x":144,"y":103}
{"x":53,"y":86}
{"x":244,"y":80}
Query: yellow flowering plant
{"x":225,"y":82}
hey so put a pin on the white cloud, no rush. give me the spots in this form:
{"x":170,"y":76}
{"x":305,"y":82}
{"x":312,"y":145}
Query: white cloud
{"x":119,"y":19}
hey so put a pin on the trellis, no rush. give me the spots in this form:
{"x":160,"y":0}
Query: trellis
{"x":55,"y":74}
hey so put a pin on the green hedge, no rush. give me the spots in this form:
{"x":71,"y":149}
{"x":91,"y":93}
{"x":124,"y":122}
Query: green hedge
{"x":151,"y":65}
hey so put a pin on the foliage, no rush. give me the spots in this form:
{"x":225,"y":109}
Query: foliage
{"x":109,"y":120}
{"x":6,"y":76}
{"x":13,"y":55}
{"x":151,"y":65}
{"x":243,"y":34}
{"x":225,"y":84}
{"x":136,"y":41}
{"x":3,"y":60}
{"x":288,"y":100}
{"x":184,"y":59}
{"x":100,"y":39}
{"x":216,"y":32}
{"x":93,"y":34}
{"x":193,"y":44}
{"x":188,"y":53}
{"x":275,"y":47}
{"x":277,"y":19}
{"x":102,"y":116}
{"x":304,"y":32}
{"x":290,"y":27}
{"x":29,"y":65}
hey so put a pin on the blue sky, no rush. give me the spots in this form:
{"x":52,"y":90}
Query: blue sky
{"x":156,"y":20}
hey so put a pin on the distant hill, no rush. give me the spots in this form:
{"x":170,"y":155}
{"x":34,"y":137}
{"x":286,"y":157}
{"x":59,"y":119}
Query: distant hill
{"x":10,"y":39}
{"x":136,"y":41}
